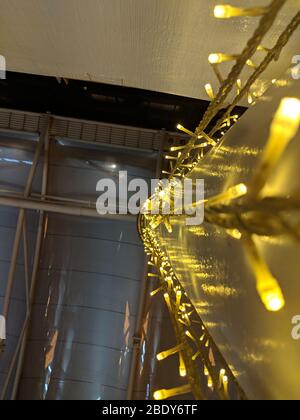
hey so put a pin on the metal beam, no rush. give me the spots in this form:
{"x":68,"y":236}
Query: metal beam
{"x":19,"y":228}
{"x":28,"y":204}
{"x":36,"y":262}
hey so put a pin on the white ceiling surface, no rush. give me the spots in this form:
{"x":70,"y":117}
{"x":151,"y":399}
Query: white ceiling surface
{"x":160,"y":45}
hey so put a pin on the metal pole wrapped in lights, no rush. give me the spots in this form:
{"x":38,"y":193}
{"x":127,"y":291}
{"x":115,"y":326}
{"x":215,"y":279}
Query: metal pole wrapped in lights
{"x":226,"y":11}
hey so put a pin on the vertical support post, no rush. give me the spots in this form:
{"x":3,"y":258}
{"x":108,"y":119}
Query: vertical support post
{"x":142,"y":298}
{"x":36,"y":261}
{"x":19,"y":229}
{"x":26,"y":262}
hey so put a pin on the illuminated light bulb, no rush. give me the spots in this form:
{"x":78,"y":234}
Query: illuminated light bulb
{"x":288,"y":115}
{"x":226,"y":11}
{"x":251,"y":64}
{"x":250,"y":98}
{"x":208,"y":139}
{"x":164,"y":354}
{"x":163,"y":394}
{"x":239,"y":86}
{"x":155,"y":292}
{"x":218,"y":58}
{"x":210,"y":382}
{"x":178,"y":175}
{"x":225,"y":385}
{"x":178,"y":297}
{"x":175,"y":148}
{"x":207,"y":343}
{"x":182,"y":308}
{"x":280,"y":83}
{"x":234,"y":233}
{"x":283,"y":129}
{"x":238,"y":191}
{"x":182,"y":368}
{"x":231,"y":194}
{"x":170,"y":157}
{"x":196,"y":355}
{"x":266,"y":285}
{"x":185,"y":130}
{"x":166,"y":173}
{"x":209,"y":91}
{"x":262,"y":48}
{"x":188,"y":334}
{"x":201,"y":146}
{"x":169,"y":280}
{"x":270,"y":293}
{"x":221,"y":376}
{"x":152,"y":275}
{"x":206,"y":372}
{"x":222,"y":11}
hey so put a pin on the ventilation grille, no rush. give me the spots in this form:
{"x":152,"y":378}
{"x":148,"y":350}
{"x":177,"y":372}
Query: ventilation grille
{"x":91,"y":132}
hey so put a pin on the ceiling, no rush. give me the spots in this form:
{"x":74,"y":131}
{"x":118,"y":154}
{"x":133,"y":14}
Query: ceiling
{"x":158,"y":45}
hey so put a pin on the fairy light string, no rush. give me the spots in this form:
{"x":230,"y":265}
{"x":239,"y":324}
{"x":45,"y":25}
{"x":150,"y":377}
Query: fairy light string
{"x":265,"y":24}
{"x":271,"y":56}
{"x":195,"y":345}
{"x":241,"y":210}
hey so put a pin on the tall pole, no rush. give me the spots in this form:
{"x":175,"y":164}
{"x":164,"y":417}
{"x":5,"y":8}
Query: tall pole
{"x":137,"y":339}
{"x":19,"y":228}
{"x":36,"y":262}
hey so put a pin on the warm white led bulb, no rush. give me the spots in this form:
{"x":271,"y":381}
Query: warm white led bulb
{"x":209,"y":91}
{"x":226,"y":11}
{"x":218,"y":58}
{"x":222,"y":11}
